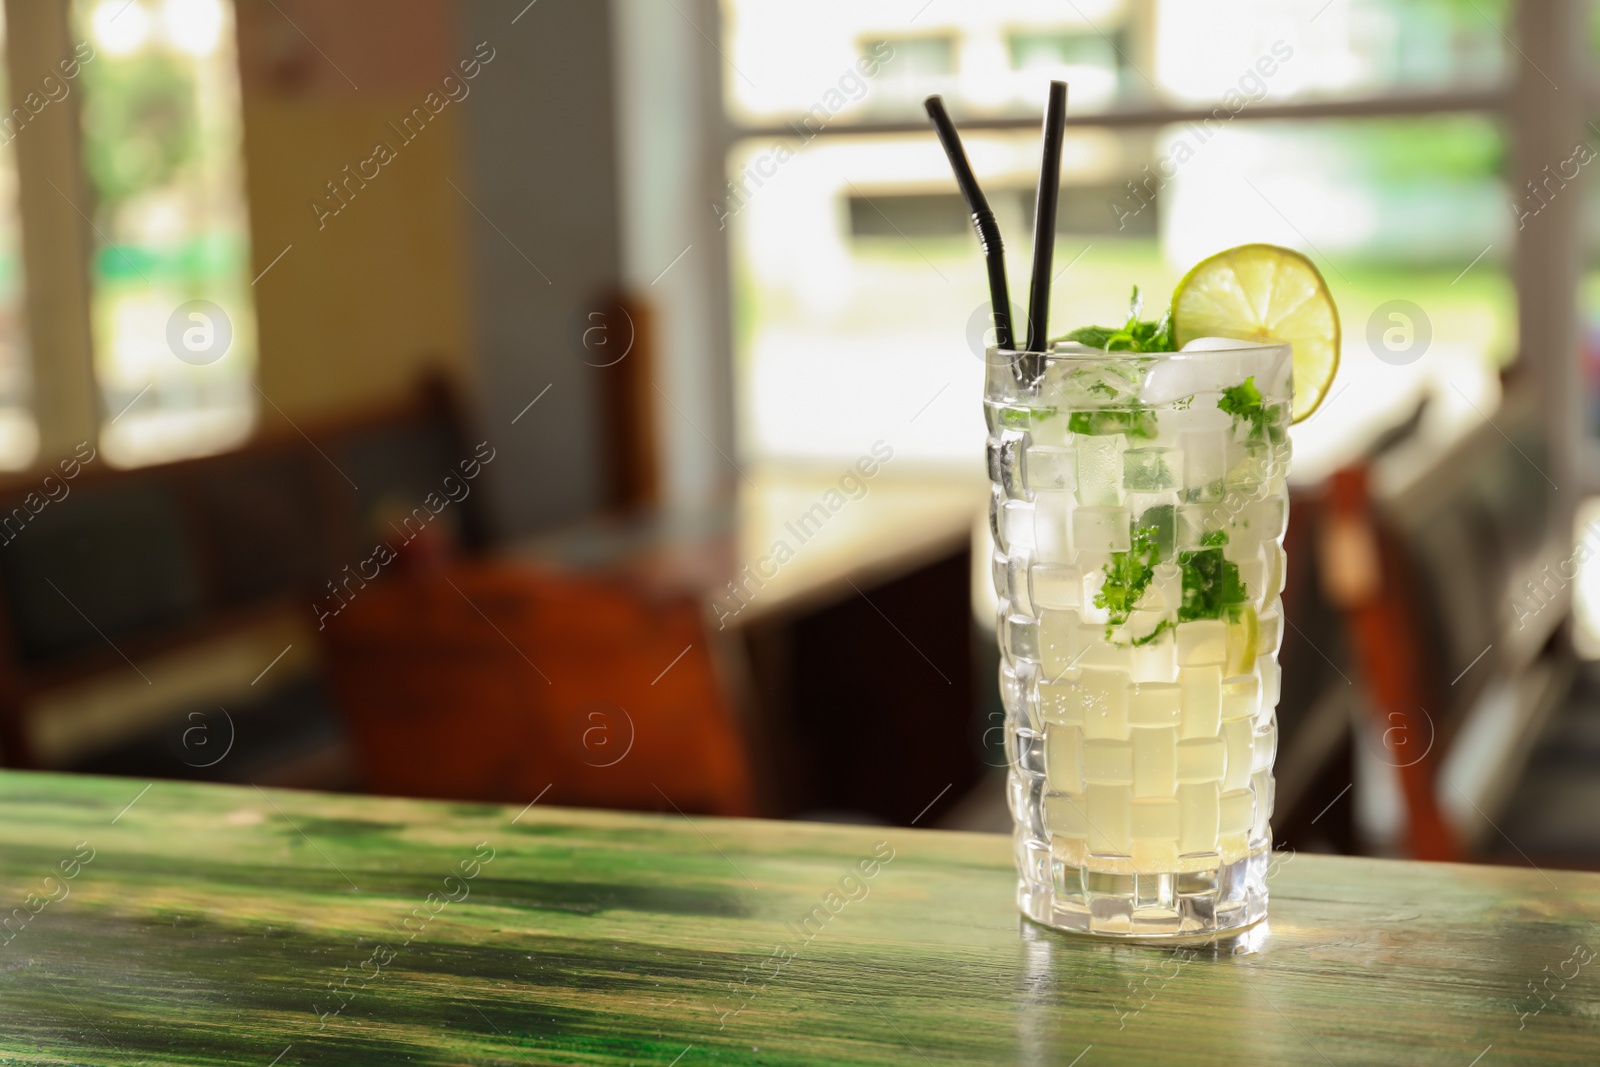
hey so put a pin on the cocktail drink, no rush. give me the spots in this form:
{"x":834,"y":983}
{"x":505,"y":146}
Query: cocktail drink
{"x":1138,"y":513}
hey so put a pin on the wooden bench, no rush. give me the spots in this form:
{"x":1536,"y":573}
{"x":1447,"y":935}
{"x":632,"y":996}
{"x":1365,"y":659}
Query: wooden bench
{"x":107,"y":571}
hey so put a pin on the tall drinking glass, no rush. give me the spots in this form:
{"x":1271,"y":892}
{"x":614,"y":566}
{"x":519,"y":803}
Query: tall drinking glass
{"x":1138,"y":513}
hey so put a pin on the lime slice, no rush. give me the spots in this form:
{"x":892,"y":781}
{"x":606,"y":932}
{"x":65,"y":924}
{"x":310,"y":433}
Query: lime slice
{"x":1244,"y":637}
{"x":1265,"y":293}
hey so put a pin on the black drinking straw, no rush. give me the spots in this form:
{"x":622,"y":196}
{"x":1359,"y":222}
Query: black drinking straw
{"x":982,"y":219}
{"x":1044,"y":218}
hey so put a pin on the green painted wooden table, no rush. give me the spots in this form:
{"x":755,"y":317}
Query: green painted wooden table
{"x":187,"y":924}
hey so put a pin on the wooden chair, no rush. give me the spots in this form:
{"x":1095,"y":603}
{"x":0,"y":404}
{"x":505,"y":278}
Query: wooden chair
{"x":1424,"y":555}
{"x":494,"y":681}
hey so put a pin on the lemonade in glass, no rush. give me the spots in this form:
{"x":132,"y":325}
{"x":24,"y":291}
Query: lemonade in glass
{"x":1138,"y":512}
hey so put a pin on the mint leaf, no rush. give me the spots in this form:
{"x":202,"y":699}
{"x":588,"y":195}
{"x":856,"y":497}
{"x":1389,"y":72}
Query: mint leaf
{"x":1136,"y":424}
{"x":1243,"y":402}
{"x":1202,"y":585}
{"x":1211,"y":582}
{"x":1161,"y":627}
{"x":1093,"y":336}
{"x":1135,"y":335}
{"x":1128,"y":575}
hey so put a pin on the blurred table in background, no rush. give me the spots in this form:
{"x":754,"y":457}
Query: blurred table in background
{"x":221,"y":924}
{"x":838,"y":614}
{"x":889,"y":528}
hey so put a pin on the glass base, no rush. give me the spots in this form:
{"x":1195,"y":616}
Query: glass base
{"x":1202,"y":905}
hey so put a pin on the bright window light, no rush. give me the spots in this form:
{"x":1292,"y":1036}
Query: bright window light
{"x":19,"y":433}
{"x":1586,"y":587}
{"x":120,"y":27}
{"x":860,"y":293}
{"x":171,"y":312}
{"x":193,"y":26}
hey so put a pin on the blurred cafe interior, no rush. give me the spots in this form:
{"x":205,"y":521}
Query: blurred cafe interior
{"x":581,"y":401}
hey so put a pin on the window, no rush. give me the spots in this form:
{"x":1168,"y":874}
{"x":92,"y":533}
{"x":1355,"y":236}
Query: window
{"x":19,"y":435}
{"x":1368,"y":135}
{"x":171,"y":317}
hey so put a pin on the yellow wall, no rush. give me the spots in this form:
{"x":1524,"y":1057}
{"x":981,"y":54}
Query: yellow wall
{"x":358,"y":307}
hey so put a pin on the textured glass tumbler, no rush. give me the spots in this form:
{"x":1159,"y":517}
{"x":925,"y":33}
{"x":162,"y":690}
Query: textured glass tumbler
{"x":1138,"y":512}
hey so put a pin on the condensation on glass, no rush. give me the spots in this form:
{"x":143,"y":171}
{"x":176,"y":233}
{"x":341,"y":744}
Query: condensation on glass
{"x":171,"y":314}
{"x":1138,"y":511}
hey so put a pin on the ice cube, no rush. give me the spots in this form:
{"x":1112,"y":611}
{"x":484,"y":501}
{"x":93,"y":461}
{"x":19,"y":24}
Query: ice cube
{"x":1052,"y":468}
{"x":1142,"y":622}
{"x":1205,"y":465}
{"x":1250,"y":467}
{"x":1156,"y":659}
{"x":1053,"y":517}
{"x":1016,"y":526}
{"x":1102,"y":655}
{"x":1093,"y":568}
{"x":1048,"y":426}
{"x":1100,"y":468}
{"x":1148,"y":470}
{"x":1266,"y":519}
{"x":998,"y":563}
{"x":1213,"y":344}
{"x":1016,"y":686}
{"x":1156,"y":514}
{"x":1195,"y":522}
{"x":1006,"y":465}
{"x":1252,"y":575}
{"x":1055,"y":586}
{"x":999,"y":417}
{"x":1166,"y":588}
{"x":1101,"y":529}
{"x":1269,"y":365}
{"x":1094,"y":383}
{"x":1016,"y":591}
{"x":1022,"y":638}
{"x":1176,"y":378}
